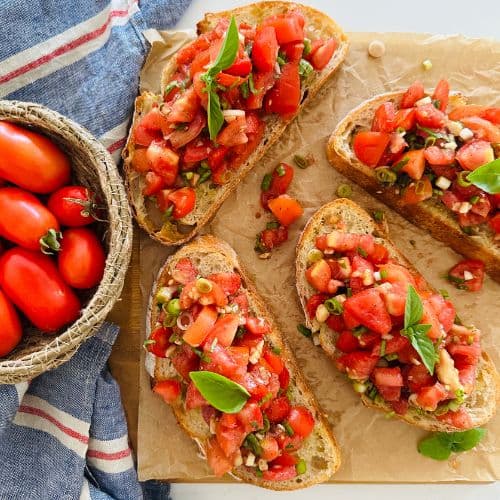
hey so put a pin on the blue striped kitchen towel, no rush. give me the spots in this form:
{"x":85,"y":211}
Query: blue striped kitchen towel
{"x":64,"y":436}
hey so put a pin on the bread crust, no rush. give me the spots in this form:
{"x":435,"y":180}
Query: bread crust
{"x":484,"y":398}
{"x":207,"y":247}
{"x":430,"y":214}
{"x":206,"y":209}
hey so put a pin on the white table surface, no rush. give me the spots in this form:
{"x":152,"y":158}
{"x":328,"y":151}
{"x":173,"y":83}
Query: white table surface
{"x":476,"y":18}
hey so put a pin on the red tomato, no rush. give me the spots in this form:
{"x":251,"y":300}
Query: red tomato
{"x":184,"y":200}
{"x":358,"y":364}
{"x":284,"y":97}
{"x":289,"y":27}
{"x":150,"y":127}
{"x":444,"y":310}
{"x":184,"y":109}
{"x":394,"y":273}
{"x":184,"y":271}
{"x":270,"y":448}
{"x":293,"y":51}
{"x":278,"y":410}
{"x":385,"y":118}
{"x":162,"y":201}
{"x":25,"y":221}
{"x":81,"y":260}
{"x":286,"y":209}
{"x":314,"y":302}
{"x":441,"y":94}
{"x":379,"y":255}
{"x":181,"y":137}
{"x":187,"y":53}
{"x":199,"y":62}
{"x":482,"y":206}
{"x":274,"y":361}
{"x":483,"y":129}
{"x":164,"y":162}
{"x":229,"y":282}
{"x":405,"y":119}
{"x":388,"y":376}
{"x":468,"y":110}
{"x":347,"y":342}
{"x":201,"y":326}
{"x":321,"y":54}
{"x":251,"y":417}
{"x":31,"y":160}
{"x":492,"y":114}
{"x":414,"y":93}
{"x":279,"y":183}
{"x":215,"y":296}
{"x":158,"y":341}
{"x":216,"y":157}
{"x":196,"y":151}
{"x":194,"y":399}
{"x":428,"y":115}
{"x":475,"y":268}
{"x":73,"y":205}
{"x":229,"y":80}
{"x":279,"y":473}
{"x":495,"y":223}
{"x":460,"y":419}
{"x":465,"y":355}
{"x":262,"y":82}
{"x":369,"y":309}
{"x":241,"y":67}
{"x":153,"y":184}
{"x":389,"y":393}
{"x":217,"y":459}
{"x":10,"y":326}
{"x":230,"y":362}
{"x":438,"y":156}
{"x":265,"y":49}
{"x":392,"y":346}
{"x":257,"y":326}
{"x":224,"y":330}
{"x":169,"y":390}
{"x":284,"y":378}
{"x":272,"y":238}
{"x":301,"y":421}
{"x":417,"y":377}
{"x":370,"y":146}
{"x":185,"y":361}
{"x":361,"y":270}
{"x":318,"y":275}
{"x":395,"y":298}
{"x":336,"y":323}
{"x":429,"y":397}
{"x":233,"y":134}
{"x":200,"y":89}
{"x":417,"y":191}
{"x":259,"y":383}
{"x":32,"y":282}
{"x":475,"y":153}
{"x":285,"y":459}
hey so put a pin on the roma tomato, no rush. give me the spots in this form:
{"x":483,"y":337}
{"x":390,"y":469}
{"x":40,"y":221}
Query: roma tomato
{"x":10,"y":326}
{"x":81,"y":260}
{"x":285,"y":209}
{"x":184,"y":200}
{"x":26,"y":222}
{"x":370,"y":146}
{"x":322,"y":53}
{"x":265,"y":49}
{"x":284,"y":97}
{"x":428,"y":115}
{"x":31,"y":160}
{"x":412,"y":95}
{"x":301,"y":421}
{"x":31,"y":280}
{"x":73,"y":206}
{"x":385,"y":118}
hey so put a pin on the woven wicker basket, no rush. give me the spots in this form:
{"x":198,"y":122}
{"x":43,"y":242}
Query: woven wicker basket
{"x":93,"y":167}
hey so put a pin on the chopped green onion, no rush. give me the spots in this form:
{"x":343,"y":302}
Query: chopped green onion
{"x":427,"y":64}
{"x":334,"y":306}
{"x":251,"y":86}
{"x":288,"y":429}
{"x":390,"y":414}
{"x":420,"y":187}
{"x":305,"y":68}
{"x":314,"y":255}
{"x":301,"y":467}
{"x":391,"y":357}
{"x":436,"y":103}
{"x":272,"y":225}
{"x":276,"y":350}
{"x":267,"y":424}
{"x":174,"y":307}
{"x":348,"y":292}
{"x":244,"y":90}
{"x":400,"y":164}
{"x":203,"y":285}
{"x":281,"y":59}
{"x":382,"y":348}
{"x":462,"y":179}
{"x":266,"y":182}
{"x":148,"y":342}
{"x":300,"y":161}
{"x":444,"y":293}
{"x":385,"y":176}
{"x":359,"y":387}
{"x":163,"y":295}
{"x":378,"y":215}
{"x":280,"y":170}
{"x":362,"y":252}
{"x":304,"y":330}
{"x":266,"y":398}
{"x":384,"y":274}
{"x":258,"y":472}
{"x":474,"y":199}
{"x":307,"y":47}
{"x":429,"y":141}
{"x":169,"y":211}
{"x":169,"y":320}
{"x":253,"y":444}
{"x":359,"y":330}
{"x":344,"y":191}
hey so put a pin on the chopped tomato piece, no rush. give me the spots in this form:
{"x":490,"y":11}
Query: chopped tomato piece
{"x":279,"y":183}
{"x":388,"y":376}
{"x":184,"y":109}
{"x":319,"y":275}
{"x":154,"y":183}
{"x":467,"y":376}
{"x":392,"y":346}
{"x":140,"y":161}
{"x":158,"y":341}
{"x":262,"y":82}
{"x":289,"y":27}
{"x":395,"y":298}
{"x":483,"y":129}
{"x":460,"y":419}
{"x":257,"y":326}
{"x":164,"y":161}
{"x":389,"y":393}
{"x":199,"y":63}
{"x":224,"y":330}
{"x":441,"y":94}
{"x":201,"y":326}
{"x":470,"y":219}
{"x":265,"y":49}
{"x":321,"y":54}
{"x":279,"y":473}
{"x":379,"y":255}
{"x":241,"y":67}
{"x":301,"y":421}
{"x":465,"y":355}
{"x":370,"y":146}
{"x":196,"y":151}
{"x":284,"y":378}
{"x":181,"y":137}
{"x":414,"y":93}
{"x":495,"y":223}
{"x":347,"y":342}
{"x":284,"y":97}
{"x":438,"y":156}
{"x":169,"y":390}
{"x":405,"y":119}
{"x":482,"y":205}
{"x":417,"y":377}
{"x":428,"y":115}
{"x":229,"y":282}
{"x":444,"y":310}
{"x":217,"y":459}
{"x":461,"y":112}
{"x":230,"y":362}
{"x":314,"y":302}
{"x":492,"y":115}
{"x":150,"y":128}
{"x":184,"y":200}
{"x":185,"y":361}
{"x":274,"y":361}
{"x":184,"y":271}
{"x":362,"y":274}
{"x":278,"y":410}
{"x":194,"y":399}
{"x":415,"y":164}
{"x":367,"y":307}
{"x":259,"y":383}
{"x":474,"y":154}
{"x":385,"y":118}
{"x":394,"y":273}
{"x":428,"y":398}
{"x":233,"y":134}
{"x":286,"y":209}
{"x":270,"y":448}
{"x":293,"y":51}
{"x":251,"y":417}
{"x":471,"y":269}
{"x":358,"y":365}
{"x":272,"y":238}
{"x":418,"y":191}
{"x":200,"y":89}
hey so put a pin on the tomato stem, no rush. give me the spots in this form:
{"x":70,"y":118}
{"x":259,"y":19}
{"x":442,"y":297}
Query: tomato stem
{"x":50,"y":242}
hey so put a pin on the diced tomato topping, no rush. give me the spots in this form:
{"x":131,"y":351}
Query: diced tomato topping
{"x":465,"y":355}
{"x":417,"y":192}
{"x":230,"y":434}
{"x":483,"y":129}
{"x":233,"y":134}
{"x":284,"y":97}
{"x":394,"y":273}
{"x":470,"y":268}
{"x":150,"y":128}
{"x":362,"y":274}
{"x":318,"y":275}
{"x":405,"y":119}
{"x":272,"y":238}
{"x":467,"y":377}
{"x":262,"y":82}
{"x":184,"y":109}
{"x":184,"y":200}
{"x":185,"y":361}
{"x":293,"y":51}
{"x":199,"y":63}
{"x":438,"y":156}
{"x":460,"y":419}
{"x":278,"y":410}
{"x":392,"y":346}
{"x":217,"y":459}
{"x":286,"y":209}
{"x":428,"y":398}
{"x":492,"y":114}
{"x":400,"y":406}
{"x":444,"y":310}
{"x":417,"y":377}
{"x":430,"y":317}
{"x":270,"y":448}
{"x":367,"y":307}
{"x":321,"y":54}
{"x":301,"y":421}
{"x":224,"y":330}
{"x":481,"y":206}
{"x":164,"y":162}
{"x":313,"y":303}
{"x":347,"y":342}
{"x":289,"y":27}
{"x":388,"y":377}
{"x":379,"y":255}
{"x":259,"y":383}
{"x":284,"y":378}
{"x":194,"y":399}
{"x":169,"y":390}
{"x":358,"y":365}
{"x":184,"y":271}
{"x":414,"y":93}
{"x":385,"y":118}
{"x":274,"y":361}
{"x":495,"y":223}
{"x":229,"y":282}
{"x":140,"y":161}
{"x":181,"y":137}
{"x":474,"y":154}
{"x":279,"y":183}
{"x":394,"y":298}
{"x":201,"y":326}
{"x":370,"y":146}
{"x":230,"y":362}
{"x":441,"y":94}
{"x":429,"y":116}
{"x":389,"y":393}
{"x":279,"y":473}
{"x":415,"y":163}
{"x":257,"y":326}
{"x":265,"y":49}
{"x":158,"y":341}
{"x":251,"y":417}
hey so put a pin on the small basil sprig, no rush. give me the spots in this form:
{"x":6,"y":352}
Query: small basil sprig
{"x":222,"y":393}
{"x":415,"y":332}
{"x":487,"y":177}
{"x":225,"y":59}
{"x":440,"y":445}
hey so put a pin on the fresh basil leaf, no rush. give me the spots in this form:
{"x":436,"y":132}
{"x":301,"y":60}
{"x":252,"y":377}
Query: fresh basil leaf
{"x":433,"y":447}
{"x":214,"y":114}
{"x":228,"y":51}
{"x":222,"y":393}
{"x":413,"y":308}
{"x":464,"y":441}
{"x":417,"y":335}
{"x":487,"y":177}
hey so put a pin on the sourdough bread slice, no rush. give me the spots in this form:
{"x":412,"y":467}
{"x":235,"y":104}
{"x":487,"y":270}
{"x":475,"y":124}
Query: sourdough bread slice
{"x":431,"y":214}
{"x":320,"y":450}
{"x":209,"y":199}
{"x":345,"y":215}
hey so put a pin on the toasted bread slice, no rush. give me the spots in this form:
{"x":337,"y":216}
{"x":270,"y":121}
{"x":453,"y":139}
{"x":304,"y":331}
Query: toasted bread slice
{"x":320,"y":451}
{"x":209,"y":199}
{"x":482,"y":402}
{"x":431,"y":214}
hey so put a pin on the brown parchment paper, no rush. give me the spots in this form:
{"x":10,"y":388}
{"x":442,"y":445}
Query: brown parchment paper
{"x":374,"y":449}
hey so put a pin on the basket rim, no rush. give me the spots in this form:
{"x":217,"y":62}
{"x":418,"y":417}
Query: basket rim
{"x":120,"y":230}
